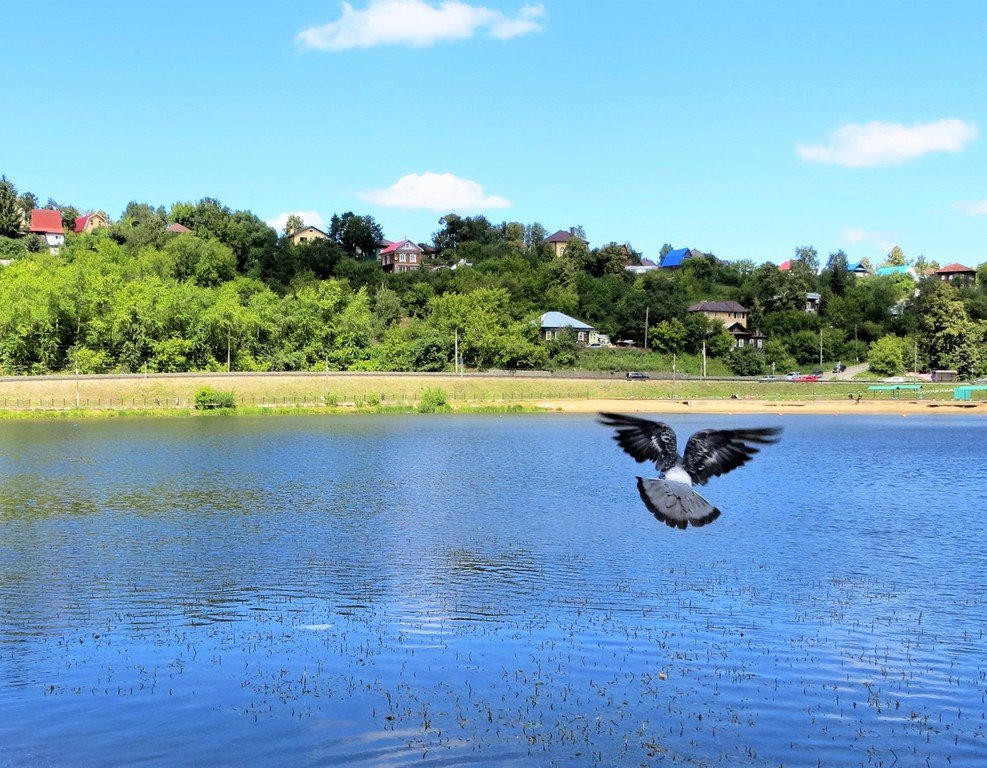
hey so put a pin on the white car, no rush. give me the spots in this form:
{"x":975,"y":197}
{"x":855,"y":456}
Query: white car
{"x":791,"y":376}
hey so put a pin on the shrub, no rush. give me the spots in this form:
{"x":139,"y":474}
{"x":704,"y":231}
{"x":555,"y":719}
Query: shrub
{"x":746,"y":361}
{"x":885,"y":356}
{"x":433,"y":399}
{"x":208,"y":399}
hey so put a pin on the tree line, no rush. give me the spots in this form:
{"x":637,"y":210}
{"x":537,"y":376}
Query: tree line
{"x":233,"y":294}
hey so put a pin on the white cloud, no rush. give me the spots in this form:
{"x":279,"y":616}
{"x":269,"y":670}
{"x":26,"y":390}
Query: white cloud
{"x":417,"y":23}
{"x":881,"y":241}
{"x":972,"y":207}
{"x":876,"y":143}
{"x":441,"y":192}
{"x":311,"y":219}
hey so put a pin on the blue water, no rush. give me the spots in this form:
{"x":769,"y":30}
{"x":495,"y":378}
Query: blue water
{"x":440,"y":591}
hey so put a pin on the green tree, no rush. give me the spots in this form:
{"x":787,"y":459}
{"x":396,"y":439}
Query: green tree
{"x":885,"y":356}
{"x":667,"y":336}
{"x":895,"y":258}
{"x":836,"y":275}
{"x":950,"y":339}
{"x":10,"y":210}
{"x":608,"y":260}
{"x":293,"y":223}
{"x":746,"y":361}
{"x":359,"y":236}
{"x":808,"y":256}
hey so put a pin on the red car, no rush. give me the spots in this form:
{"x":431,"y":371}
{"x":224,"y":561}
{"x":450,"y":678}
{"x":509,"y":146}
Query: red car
{"x":808,"y":377}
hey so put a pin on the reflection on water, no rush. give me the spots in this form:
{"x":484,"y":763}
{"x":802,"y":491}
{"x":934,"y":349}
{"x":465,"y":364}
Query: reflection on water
{"x":448,"y":591}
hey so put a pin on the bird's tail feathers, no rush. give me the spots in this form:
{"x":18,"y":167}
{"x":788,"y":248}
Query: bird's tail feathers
{"x":676,"y":504}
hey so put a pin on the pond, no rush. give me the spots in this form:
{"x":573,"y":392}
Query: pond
{"x":484,"y":590}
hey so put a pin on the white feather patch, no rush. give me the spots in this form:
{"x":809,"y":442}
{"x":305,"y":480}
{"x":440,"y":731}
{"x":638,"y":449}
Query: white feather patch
{"x":675,"y":503}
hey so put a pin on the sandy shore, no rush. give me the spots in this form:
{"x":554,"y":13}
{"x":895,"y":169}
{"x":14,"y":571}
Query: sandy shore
{"x":562,"y":394}
{"x":778,"y":407}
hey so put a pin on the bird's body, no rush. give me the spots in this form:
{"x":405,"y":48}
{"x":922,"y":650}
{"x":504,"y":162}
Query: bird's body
{"x":708,"y":453}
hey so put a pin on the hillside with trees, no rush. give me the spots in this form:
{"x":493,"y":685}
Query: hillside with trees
{"x":233,"y":294}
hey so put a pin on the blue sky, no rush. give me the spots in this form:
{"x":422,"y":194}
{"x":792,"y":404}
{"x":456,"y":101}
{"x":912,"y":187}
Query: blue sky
{"x":741,"y":128}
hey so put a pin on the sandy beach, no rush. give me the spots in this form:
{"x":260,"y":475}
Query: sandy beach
{"x":778,"y":407}
{"x":348,"y":392}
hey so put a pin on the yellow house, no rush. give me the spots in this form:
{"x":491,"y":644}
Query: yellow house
{"x":307,"y":235}
{"x":560,"y":239}
{"x":727,"y":312}
{"x":90,"y":222}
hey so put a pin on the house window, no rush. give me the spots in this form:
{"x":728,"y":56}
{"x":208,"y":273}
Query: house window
{"x":581,"y":336}
{"x":740,"y":342}
{"x":411,"y":258}
{"x":401,"y":258}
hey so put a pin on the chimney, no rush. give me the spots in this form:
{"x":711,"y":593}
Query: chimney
{"x":572,"y":231}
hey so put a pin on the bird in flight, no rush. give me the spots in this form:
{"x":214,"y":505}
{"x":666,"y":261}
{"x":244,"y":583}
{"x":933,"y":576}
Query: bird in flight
{"x":708,"y":453}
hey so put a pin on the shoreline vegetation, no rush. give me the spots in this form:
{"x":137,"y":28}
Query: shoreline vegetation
{"x":341,"y":393}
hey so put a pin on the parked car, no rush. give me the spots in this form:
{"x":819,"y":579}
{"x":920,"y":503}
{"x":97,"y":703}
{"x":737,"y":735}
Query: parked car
{"x":839,"y":368}
{"x":808,"y":377}
{"x":817,"y":373}
{"x":894,"y":380}
{"x":637,"y":375}
{"x":791,"y":376}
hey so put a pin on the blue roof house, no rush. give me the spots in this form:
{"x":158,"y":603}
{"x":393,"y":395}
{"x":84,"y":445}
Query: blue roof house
{"x":857,"y":268}
{"x":903,"y":270}
{"x":674,"y":259}
{"x":553,"y":323}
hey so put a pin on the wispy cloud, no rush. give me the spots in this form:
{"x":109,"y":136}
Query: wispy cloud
{"x":972,"y":207}
{"x":441,"y":192}
{"x":881,"y":241}
{"x":417,"y":23}
{"x":875,"y":143}
{"x":311,"y":219}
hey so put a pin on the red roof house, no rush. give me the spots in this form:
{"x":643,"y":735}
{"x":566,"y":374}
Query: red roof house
{"x":402,"y":256}
{"x":48,"y":224}
{"x":957,"y":273}
{"x":89,"y":222}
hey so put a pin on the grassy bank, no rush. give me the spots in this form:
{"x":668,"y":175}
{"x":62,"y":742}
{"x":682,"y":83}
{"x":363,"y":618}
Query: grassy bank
{"x":162,"y":394}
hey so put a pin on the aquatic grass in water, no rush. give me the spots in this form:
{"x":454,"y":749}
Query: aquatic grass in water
{"x":486,"y":590}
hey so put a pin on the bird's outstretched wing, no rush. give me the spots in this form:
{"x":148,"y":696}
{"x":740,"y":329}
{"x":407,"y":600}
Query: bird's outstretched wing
{"x":643,"y":439}
{"x":714,"y":452}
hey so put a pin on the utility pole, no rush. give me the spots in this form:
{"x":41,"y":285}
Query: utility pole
{"x":704,"y":357}
{"x":820,"y":348}
{"x":456,"y":353}
{"x":647,"y":311}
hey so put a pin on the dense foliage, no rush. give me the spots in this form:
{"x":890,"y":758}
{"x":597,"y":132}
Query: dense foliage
{"x":233,"y":295}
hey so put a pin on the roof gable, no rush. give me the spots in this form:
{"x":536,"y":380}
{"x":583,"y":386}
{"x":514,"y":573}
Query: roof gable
{"x":44,"y":221}
{"x":718,"y":306}
{"x":405,"y":246}
{"x":563,"y":236}
{"x":954,"y":268}
{"x":560,"y":320}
